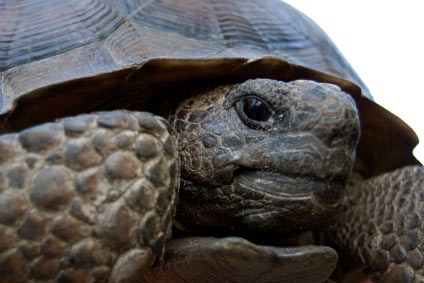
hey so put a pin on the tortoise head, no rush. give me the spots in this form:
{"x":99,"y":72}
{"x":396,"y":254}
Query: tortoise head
{"x":264,"y":155}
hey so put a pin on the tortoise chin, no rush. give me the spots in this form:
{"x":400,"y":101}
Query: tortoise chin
{"x":258,"y":202}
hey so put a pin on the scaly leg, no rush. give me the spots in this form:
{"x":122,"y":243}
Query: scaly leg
{"x":381,"y":227}
{"x":86,"y":198}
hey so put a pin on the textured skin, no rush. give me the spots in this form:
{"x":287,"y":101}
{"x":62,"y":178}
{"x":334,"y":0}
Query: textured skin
{"x":387,"y":233}
{"x":86,"y":199}
{"x":246,"y":179}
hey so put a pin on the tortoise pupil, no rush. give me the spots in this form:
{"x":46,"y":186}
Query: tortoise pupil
{"x":256,"y":109}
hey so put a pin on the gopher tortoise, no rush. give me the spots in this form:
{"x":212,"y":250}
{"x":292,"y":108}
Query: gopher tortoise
{"x":258,"y":147}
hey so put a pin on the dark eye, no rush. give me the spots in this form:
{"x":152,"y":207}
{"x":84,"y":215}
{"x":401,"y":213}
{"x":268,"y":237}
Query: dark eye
{"x":254,"y":111}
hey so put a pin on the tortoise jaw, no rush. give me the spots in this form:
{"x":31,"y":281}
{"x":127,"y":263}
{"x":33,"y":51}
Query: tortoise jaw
{"x":257,"y":202}
{"x":292,"y":185}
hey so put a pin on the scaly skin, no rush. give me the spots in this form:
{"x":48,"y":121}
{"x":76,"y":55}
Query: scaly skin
{"x":381,"y":226}
{"x":87,"y":198}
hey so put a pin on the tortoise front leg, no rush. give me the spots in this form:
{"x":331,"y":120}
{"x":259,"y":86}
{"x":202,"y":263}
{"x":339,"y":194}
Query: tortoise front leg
{"x":86,"y":199}
{"x":382,"y":226}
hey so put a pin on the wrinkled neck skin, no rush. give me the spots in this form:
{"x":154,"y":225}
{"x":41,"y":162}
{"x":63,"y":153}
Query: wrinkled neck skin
{"x":264,"y":157}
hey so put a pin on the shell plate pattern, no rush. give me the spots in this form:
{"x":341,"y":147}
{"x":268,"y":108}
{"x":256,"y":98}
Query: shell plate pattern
{"x":49,"y":42}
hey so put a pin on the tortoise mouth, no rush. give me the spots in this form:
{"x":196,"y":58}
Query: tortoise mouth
{"x":257,"y":202}
{"x":294,"y":185}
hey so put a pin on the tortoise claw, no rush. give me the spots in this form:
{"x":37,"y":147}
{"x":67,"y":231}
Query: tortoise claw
{"x":204,"y":259}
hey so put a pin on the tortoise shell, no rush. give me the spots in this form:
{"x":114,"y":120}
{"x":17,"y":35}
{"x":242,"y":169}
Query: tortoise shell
{"x":59,"y":58}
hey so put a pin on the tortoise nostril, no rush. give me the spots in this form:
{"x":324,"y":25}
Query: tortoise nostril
{"x":334,"y":139}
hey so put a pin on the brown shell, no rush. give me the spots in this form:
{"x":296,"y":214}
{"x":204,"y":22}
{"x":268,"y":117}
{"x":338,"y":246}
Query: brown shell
{"x":59,"y":58}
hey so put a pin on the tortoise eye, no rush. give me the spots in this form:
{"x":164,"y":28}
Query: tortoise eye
{"x":254,"y":111}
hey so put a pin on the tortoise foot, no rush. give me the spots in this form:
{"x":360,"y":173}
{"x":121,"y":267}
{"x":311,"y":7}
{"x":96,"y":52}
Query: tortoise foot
{"x":198,"y":259}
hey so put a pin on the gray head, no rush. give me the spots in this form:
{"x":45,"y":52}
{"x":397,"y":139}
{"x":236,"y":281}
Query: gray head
{"x":261,"y":153}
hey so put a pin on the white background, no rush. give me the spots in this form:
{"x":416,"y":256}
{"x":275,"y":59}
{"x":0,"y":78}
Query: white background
{"x":384,"y":43}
